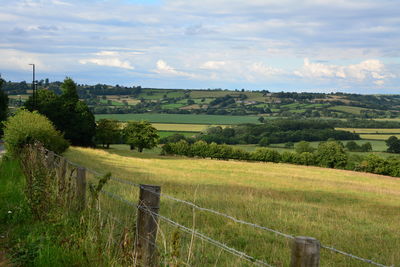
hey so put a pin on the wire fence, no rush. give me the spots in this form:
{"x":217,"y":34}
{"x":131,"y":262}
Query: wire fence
{"x":196,"y":233}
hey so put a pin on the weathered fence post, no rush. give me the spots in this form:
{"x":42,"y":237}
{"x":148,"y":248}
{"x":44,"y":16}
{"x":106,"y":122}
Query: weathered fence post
{"x":62,"y":172}
{"x":81,"y":187}
{"x":147,"y":224}
{"x":305,"y":252}
{"x":50,"y":159}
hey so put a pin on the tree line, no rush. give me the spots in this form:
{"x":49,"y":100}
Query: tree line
{"x":329,"y":154}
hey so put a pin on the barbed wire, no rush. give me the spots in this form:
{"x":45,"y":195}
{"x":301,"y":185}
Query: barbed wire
{"x":217,"y":213}
{"x":354,"y":256}
{"x":190,"y":231}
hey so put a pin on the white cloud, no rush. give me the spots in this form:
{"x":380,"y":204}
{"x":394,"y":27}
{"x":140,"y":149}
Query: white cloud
{"x":264,"y":70}
{"x":213,"y":65}
{"x":19,"y":60}
{"x":371,"y":69}
{"x":108,"y":62}
{"x":164,"y":68}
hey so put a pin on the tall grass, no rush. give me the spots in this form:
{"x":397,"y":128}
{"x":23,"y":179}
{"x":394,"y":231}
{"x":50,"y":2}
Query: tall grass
{"x":354,"y":212}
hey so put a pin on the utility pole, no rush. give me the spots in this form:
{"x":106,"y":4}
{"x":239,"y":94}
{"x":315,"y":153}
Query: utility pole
{"x":33,"y":86}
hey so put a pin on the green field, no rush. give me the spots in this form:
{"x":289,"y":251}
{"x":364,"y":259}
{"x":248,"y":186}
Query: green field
{"x":181,"y":118}
{"x":184,"y":127}
{"x":162,"y":134}
{"x":354,"y":212}
{"x":348,"y":109}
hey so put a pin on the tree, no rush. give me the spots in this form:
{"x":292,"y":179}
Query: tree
{"x":353,"y":146}
{"x":69,"y":115}
{"x":3,"y":105}
{"x":107,"y":132}
{"x":140,"y":135}
{"x":303,"y":146}
{"x":393,"y":144}
{"x":261,"y":119}
{"x":331,"y":154}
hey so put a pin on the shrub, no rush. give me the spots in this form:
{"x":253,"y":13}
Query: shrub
{"x":303,"y":146}
{"x":305,"y":158}
{"x":268,"y":155}
{"x":30,"y":127}
{"x":375,"y":164}
{"x":331,"y":154}
{"x":289,"y":157}
{"x":200,"y":149}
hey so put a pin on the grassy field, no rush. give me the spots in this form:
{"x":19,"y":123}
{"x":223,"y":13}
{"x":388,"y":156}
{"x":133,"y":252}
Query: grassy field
{"x":348,"y":109}
{"x":378,"y":136}
{"x":181,"y":127}
{"x":169,"y":133}
{"x":370,"y":130}
{"x":181,"y":118}
{"x":354,"y":212}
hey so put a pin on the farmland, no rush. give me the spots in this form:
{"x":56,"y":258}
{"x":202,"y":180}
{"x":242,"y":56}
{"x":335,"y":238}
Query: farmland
{"x":352,"y":211}
{"x":181,"y":118}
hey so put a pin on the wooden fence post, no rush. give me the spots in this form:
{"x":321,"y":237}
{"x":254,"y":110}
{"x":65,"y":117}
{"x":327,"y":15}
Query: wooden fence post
{"x":50,"y":159}
{"x":62,"y":172}
{"x":305,"y":252}
{"x":81,"y":187}
{"x":147,"y":224}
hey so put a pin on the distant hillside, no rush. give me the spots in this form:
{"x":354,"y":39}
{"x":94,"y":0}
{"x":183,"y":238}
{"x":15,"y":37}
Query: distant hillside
{"x":107,"y":99}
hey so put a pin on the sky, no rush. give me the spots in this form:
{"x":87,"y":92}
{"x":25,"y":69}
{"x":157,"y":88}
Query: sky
{"x":286,"y":45}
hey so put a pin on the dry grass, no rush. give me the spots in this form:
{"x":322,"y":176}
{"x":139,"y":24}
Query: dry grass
{"x":355,"y":212}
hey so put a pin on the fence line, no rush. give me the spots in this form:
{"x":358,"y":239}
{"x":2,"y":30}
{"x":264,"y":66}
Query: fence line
{"x":233,"y":251}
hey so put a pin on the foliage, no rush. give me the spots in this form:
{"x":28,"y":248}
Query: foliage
{"x":69,"y":115}
{"x":3,"y":105}
{"x":303,"y":146}
{"x":393,"y":144}
{"x":107,"y":132}
{"x":353,"y":146}
{"x":30,"y":127}
{"x":276,"y":131}
{"x":140,"y":135}
{"x":331,"y":154}
{"x":265,"y":154}
{"x":39,"y":180}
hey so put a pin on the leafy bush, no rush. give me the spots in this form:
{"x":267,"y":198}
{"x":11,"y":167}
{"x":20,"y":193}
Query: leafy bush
{"x":305,"y":158}
{"x":30,"y":127}
{"x":303,"y":146}
{"x":331,"y":154}
{"x":268,"y":155}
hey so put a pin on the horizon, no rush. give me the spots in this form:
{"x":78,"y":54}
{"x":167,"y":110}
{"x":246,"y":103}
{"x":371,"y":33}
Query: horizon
{"x":312,"y":46}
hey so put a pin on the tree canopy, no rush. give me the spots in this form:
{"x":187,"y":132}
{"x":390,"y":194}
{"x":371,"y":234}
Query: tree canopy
{"x":107,"y":132}
{"x":140,"y":135}
{"x":69,"y":115}
{"x":3,"y":105}
{"x":393,"y":144}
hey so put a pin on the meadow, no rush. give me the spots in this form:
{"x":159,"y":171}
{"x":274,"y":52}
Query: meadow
{"x":352,"y":211}
{"x":181,"y":118}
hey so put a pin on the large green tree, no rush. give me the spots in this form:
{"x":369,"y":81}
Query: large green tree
{"x":107,"y":132}
{"x":331,"y":154}
{"x":393,"y":144}
{"x":3,"y":106}
{"x":140,"y":135}
{"x":70,"y":115}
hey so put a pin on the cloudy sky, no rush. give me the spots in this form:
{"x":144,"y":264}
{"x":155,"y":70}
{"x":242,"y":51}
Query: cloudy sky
{"x":289,"y":45}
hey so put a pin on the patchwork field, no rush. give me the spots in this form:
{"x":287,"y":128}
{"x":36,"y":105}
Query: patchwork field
{"x":351,"y":211}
